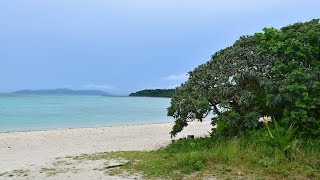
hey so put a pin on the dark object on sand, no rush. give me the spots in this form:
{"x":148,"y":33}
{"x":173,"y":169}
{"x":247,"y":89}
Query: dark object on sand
{"x":190,"y":136}
{"x":117,"y":164}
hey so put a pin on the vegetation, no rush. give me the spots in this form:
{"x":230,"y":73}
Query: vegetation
{"x":154,"y":93}
{"x":242,"y":157}
{"x":295,"y":85}
{"x":274,"y":73}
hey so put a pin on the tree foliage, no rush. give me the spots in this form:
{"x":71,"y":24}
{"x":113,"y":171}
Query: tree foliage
{"x":233,"y":80}
{"x":296,"y":73}
{"x":271,"y":73}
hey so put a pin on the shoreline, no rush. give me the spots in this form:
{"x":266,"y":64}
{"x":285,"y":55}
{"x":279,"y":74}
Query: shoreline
{"x":90,"y":127}
{"x":83,"y":127}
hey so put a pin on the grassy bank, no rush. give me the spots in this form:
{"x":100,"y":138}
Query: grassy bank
{"x":245,"y":156}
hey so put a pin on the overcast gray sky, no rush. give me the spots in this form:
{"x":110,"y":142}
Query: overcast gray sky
{"x":121,"y":46}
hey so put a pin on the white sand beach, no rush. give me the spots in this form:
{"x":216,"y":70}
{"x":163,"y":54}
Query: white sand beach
{"x":36,"y":149}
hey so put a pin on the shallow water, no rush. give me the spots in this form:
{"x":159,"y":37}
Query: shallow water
{"x":41,"y":112}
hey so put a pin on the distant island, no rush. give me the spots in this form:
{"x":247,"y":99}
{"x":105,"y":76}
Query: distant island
{"x":154,"y":93}
{"x":63,"y":92}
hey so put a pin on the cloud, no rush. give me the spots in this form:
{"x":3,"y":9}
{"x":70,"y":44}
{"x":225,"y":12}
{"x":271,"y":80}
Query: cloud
{"x":99,"y":86}
{"x":177,"y":77}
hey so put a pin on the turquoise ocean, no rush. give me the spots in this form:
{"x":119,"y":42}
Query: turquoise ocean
{"x":43,"y":112}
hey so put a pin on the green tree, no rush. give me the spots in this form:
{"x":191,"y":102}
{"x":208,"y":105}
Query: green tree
{"x":273,"y":73}
{"x":231,"y":86}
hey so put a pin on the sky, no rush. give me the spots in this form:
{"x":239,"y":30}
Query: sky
{"x":121,"y":46}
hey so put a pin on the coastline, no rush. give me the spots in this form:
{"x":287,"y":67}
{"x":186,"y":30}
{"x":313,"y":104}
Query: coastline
{"x":84,"y":127}
{"x":35,"y":149}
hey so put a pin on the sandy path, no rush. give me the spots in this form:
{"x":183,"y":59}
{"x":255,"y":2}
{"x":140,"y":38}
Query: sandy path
{"x":24,"y":150}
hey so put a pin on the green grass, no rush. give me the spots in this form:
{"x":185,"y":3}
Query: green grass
{"x":222,"y":158}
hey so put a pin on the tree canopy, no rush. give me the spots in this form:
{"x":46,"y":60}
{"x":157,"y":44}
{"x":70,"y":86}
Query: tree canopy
{"x":274,"y":73}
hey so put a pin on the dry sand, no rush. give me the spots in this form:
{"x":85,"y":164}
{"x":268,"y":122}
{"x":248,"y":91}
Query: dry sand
{"x":36,"y":149}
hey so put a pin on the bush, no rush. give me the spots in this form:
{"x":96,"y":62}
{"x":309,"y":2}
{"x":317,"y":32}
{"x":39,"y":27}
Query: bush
{"x":295,"y":87}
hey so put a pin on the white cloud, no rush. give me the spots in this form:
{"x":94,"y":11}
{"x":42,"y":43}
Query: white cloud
{"x":177,"y":77}
{"x":99,"y":86}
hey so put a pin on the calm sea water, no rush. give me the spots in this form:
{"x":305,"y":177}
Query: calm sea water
{"x":40,"y":112}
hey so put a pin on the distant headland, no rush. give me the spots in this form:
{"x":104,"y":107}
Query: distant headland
{"x":154,"y":93}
